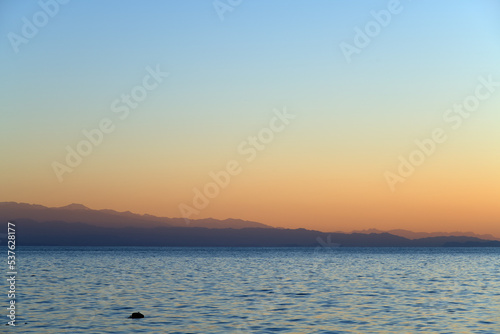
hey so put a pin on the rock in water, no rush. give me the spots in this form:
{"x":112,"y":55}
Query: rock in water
{"x":137,"y":315}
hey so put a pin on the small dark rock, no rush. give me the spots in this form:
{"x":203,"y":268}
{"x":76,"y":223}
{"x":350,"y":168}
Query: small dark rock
{"x":136,"y":315}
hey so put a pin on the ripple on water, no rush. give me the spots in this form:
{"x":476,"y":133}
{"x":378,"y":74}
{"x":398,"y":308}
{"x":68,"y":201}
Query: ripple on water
{"x":197,"y":290}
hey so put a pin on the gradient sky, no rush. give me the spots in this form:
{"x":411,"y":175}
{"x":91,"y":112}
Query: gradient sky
{"x":324,"y":171}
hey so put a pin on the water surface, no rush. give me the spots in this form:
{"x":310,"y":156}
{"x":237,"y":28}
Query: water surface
{"x":257,"y":290}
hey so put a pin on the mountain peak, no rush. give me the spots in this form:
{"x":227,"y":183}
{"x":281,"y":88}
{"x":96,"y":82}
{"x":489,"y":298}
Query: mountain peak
{"x":74,"y":206}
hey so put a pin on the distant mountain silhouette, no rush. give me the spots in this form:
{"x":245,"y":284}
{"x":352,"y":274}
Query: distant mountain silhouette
{"x":77,"y":225}
{"x":419,"y":235}
{"x":74,"y":206}
{"x":54,"y":233}
{"x":110,"y":218}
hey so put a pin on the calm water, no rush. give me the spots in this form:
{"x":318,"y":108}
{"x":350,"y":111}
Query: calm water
{"x":223,"y":290}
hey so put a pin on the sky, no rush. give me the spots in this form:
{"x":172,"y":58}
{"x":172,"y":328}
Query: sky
{"x":327,"y":115}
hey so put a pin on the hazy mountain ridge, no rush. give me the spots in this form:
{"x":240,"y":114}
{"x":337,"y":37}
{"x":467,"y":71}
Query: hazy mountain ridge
{"x":110,"y":218}
{"x":57,"y":233}
{"x":110,"y":226}
{"x":419,"y":235}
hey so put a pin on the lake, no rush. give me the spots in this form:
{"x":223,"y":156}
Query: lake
{"x":256,"y":290}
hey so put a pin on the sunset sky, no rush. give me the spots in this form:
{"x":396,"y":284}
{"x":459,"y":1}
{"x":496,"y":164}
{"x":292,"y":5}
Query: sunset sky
{"x":229,"y":74}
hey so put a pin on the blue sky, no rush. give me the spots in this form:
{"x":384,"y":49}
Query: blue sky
{"x":226,"y":76}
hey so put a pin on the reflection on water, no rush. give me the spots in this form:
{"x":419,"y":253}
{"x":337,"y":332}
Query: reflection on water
{"x":223,"y":290}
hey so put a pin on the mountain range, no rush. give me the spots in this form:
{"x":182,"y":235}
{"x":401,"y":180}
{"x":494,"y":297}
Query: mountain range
{"x":77,"y":225}
{"x":419,"y":235}
{"x":109,"y":218}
